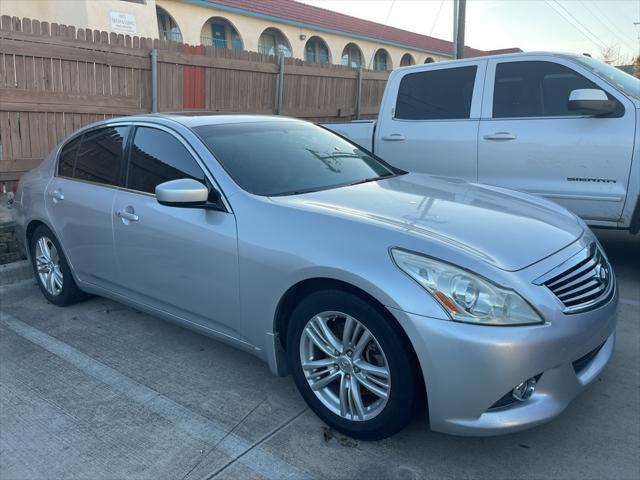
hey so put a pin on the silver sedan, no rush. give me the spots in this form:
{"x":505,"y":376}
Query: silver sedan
{"x":380,"y":291}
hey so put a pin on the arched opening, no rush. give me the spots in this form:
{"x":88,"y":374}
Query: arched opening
{"x":407,"y":60}
{"x":382,"y":60}
{"x":167,"y":27}
{"x":220,"y":33}
{"x":316,"y":51}
{"x":273,"y":42}
{"x":429,"y":60}
{"x":352,"y":56}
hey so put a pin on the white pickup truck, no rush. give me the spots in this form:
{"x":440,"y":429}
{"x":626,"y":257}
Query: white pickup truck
{"x":566,"y":127}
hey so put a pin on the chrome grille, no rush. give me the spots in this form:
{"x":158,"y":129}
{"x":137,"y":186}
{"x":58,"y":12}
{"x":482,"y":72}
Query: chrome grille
{"x":583,"y":282}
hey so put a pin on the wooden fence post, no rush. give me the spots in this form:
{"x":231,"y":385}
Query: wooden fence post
{"x":54,"y":80}
{"x":280,"y":84}
{"x":358,"y":93}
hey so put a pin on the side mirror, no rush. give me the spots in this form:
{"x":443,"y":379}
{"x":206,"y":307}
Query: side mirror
{"x":592,"y":101}
{"x":185,"y":192}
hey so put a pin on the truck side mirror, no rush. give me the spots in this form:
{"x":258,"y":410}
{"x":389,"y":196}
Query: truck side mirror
{"x":592,"y":101}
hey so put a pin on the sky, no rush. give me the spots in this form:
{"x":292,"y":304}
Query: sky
{"x":579,"y":26}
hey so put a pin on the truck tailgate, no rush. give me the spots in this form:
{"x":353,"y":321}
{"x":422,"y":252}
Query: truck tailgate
{"x":358,"y":131}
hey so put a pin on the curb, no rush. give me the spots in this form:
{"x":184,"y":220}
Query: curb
{"x":15,"y":272}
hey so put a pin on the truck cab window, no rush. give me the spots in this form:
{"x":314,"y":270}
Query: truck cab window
{"x":436,"y":94}
{"x":535,"y":89}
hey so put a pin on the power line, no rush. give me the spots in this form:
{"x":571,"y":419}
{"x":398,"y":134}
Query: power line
{"x":591,"y":12}
{"x":436,"y":19}
{"x":384,"y":26}
{"x":579,"y":23}
{"x":604,"y":16}
{"x":601,"y":12}
{"x":596,"y":42}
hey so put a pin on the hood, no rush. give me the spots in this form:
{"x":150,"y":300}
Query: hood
{"x":508,"y":229}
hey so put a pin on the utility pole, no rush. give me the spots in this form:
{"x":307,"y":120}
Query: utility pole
{"x":455,"y":29}
{"x":459,"y":15}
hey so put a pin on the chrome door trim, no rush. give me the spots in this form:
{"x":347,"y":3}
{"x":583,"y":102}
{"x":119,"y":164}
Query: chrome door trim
{"x":133,"y":123}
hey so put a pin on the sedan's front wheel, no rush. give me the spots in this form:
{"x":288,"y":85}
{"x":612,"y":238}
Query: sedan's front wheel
{"x":351,"y":365}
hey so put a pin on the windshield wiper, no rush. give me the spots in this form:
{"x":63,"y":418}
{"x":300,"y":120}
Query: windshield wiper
{"x":330,"y":187}
{"x":372,"y":179}
{"x":299,"y":192}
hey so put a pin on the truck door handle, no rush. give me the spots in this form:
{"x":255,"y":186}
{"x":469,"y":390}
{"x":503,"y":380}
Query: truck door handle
{"x":394,"y":137}
{"x":500,"y":136}
{"x":57,"y":195}
{"x":127,"y":216}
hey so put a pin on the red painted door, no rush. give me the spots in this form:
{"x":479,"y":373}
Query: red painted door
{"x":193,"y":81}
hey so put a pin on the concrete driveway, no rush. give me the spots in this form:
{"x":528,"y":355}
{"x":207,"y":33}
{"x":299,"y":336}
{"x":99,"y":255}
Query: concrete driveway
{"x":101,"y":391}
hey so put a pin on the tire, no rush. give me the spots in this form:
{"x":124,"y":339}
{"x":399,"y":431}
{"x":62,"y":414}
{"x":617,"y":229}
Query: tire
{"x":63,"y":290}
{"x":336,"y":402}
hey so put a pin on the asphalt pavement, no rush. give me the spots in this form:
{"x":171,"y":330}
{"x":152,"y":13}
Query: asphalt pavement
{"x":101,"y":391}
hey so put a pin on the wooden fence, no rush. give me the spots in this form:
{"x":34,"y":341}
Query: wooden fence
{"x":56,"y":78}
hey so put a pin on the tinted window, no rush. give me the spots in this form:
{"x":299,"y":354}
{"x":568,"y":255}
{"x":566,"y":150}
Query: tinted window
{"x":67,"y":158}
{"x":535,"y":89}
{"x":100,"y":156}
{"x":436,"y":94}
{"x":157,"y":157}
{"x":276,"y":158}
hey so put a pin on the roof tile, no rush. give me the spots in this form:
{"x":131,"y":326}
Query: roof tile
{"x":300,"y":12}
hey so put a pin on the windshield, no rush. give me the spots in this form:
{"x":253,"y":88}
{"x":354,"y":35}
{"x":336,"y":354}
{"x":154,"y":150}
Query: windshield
{"x":288,"y":157}
{"x":622,"y":81}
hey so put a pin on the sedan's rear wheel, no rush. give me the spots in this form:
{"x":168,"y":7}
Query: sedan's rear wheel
{"x":48,"y":265}
{"x":52,"y":269}
{"x":351,"y":365}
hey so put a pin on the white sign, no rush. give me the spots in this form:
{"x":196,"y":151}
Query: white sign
{"x":123,"y":22}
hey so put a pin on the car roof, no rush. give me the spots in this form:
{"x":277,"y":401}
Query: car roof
{"x":196,"y":119}
{"x":420,"y":66}
{"x":187,"y":119}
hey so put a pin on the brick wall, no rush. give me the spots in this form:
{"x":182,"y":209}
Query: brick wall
{"x":9,"y":251}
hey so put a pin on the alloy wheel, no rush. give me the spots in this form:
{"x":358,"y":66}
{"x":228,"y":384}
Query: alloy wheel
{"x":48,"y":265}
{"x":345,"y":366}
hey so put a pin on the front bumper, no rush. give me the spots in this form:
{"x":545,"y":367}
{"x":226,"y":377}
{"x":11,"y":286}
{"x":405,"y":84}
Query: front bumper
{"x":467,"y":368}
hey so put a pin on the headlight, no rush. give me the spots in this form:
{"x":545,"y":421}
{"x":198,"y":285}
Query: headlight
{"x":465,"y":296}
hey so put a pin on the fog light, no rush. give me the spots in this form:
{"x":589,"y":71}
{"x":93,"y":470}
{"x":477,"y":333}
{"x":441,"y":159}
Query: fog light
{"x":524,"y":390}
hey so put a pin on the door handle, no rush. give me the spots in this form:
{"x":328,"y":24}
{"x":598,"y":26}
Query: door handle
{"x":500,"y":136}
{"x":394,"y":137}
{"x":57,"y":195}
{"x":128,"y":216}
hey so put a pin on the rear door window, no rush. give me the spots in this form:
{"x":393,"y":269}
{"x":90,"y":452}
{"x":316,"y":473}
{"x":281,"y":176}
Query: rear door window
{"x":67,"y":158}
{"x":97,"y":157}
{"x":436,"y":94}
